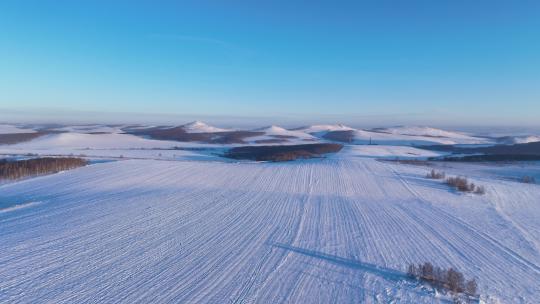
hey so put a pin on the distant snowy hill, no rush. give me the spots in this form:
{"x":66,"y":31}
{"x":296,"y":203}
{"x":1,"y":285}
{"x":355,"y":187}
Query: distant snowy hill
{"x":201,"y":127}
{"x":12,"y":129}
{"x":324,"y":128}
{"x":277,"y":134}
{"x":93,"y":141}
{"x":421,"y":131}
{"x":198,"y":131}
{"x":89,"y":129}
{"x":419,"y":135}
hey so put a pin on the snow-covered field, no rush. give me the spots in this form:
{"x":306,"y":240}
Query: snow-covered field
{"x":186,"y":226}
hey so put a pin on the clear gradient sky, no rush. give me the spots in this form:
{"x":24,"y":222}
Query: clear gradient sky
{"x":455,"y":62}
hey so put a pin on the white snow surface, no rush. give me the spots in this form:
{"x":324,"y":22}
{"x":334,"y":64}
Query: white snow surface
{"x":379,"y":151}
{"x":335,"y":230}
{"x":12,"y":129}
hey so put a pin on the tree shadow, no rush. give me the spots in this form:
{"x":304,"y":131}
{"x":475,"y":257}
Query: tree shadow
{"x":386,"y":273}
{"x":383,"y":272}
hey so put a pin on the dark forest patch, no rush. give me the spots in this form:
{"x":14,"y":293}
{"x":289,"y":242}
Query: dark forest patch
{"x":38,"y":166}
{"x":180,"y":134}
{"x":341,"y":136}
{"x":282,"y":153}
{"x":270,"y":141}
{"x":15,"y":138}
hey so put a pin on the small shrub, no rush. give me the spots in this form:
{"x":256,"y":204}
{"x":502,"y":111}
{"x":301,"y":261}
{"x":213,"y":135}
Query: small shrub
{"x":460,"y":183}
{"x":436,"y":174}
{"x":471,"y":287}
{"x":448,"y":279}
{"x":463,"y":185}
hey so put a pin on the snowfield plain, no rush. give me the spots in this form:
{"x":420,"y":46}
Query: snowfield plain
{"x":191,"y":227}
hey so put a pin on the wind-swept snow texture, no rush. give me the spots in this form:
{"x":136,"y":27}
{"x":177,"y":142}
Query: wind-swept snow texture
{"x":337,"y":230}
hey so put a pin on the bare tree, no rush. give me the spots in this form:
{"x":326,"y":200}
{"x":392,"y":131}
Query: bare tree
{"x":455,"y":280}
{"x":471,"y":287}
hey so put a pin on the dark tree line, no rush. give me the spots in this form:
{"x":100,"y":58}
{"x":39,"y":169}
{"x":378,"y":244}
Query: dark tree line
{"x":449,"y":279}
{"x":37,"y":166}
{"x":282,"y":152}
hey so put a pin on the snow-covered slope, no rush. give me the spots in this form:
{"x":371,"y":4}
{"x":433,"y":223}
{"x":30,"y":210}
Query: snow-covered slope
{"x":524,"y":139}
{"x":112,"y":146}
{"x":318,"y":231}
{"x":428,"y":134}
{"x":380,"y":151}
{"x":94,"y":141}
{"x":278,"y":133}
{"x":201,"y":127}
{"x":388,"y":138}
{"x":12,"y":129}
{"x":89,"y":129}
{"x":422,"y":131}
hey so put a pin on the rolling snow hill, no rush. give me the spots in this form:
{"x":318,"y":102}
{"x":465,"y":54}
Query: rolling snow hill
{"x":279,"y":132}
{"x":201,"y":127}
{"x":318,"y":129}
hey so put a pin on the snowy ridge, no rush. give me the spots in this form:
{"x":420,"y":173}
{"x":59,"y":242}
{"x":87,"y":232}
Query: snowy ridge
{"x":280,"y":135}
{"x":325,"y":128}
{"x":201,"y":127}
{"x":422,"y":131}
{"x":276,"y":130}
{"x":384,"y":138}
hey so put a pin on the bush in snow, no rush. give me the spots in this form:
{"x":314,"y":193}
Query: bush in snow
{"x":448,"y":279}
{"x":460,"y":183}
{"x":436,"y":174}
{"x":463,"y":185}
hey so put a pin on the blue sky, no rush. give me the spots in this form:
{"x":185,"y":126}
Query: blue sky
{"x":360,"y":62}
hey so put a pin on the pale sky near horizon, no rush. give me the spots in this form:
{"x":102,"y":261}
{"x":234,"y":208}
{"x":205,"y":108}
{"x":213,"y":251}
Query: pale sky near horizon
{"x":473,"y":63}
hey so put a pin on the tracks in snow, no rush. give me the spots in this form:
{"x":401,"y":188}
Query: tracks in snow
{"x":311,"y":231}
